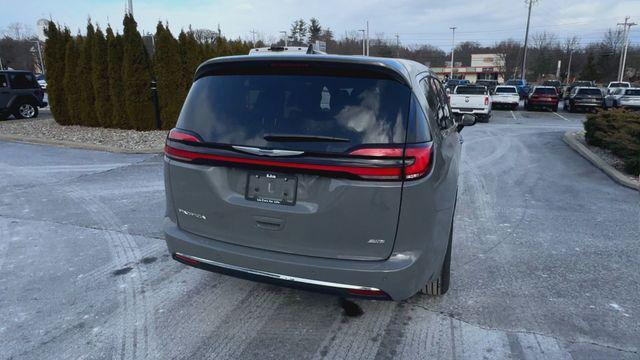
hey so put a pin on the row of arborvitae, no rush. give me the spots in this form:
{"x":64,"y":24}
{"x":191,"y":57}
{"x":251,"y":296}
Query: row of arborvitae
{"x":103,"y":78}
{"x":619,"y":131}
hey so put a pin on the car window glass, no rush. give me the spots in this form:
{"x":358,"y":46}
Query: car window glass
{"x":443,"y":111}
{"x":22,"y":81}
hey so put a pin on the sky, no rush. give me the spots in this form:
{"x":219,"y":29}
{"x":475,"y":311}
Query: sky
{"x":416,"y":22}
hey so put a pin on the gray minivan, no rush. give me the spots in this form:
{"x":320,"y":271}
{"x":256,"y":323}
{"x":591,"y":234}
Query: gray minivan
{"x":329,"y":173}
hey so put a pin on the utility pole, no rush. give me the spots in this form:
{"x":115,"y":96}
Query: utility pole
{"x":526,"y":40}
{"x":623,"y":56}
{"x":453,"y":48}
{"x":40,"y":56}
{"x":253,"y":36}
{"x":364,"y":50}
{"x":569,"y":66}
{"x":397,"y":45}
{"x":285,"y":37}
{"x":129,"y":7}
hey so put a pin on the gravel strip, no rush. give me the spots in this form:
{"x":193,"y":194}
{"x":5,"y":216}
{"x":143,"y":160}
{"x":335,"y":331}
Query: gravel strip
{"x":605,"y":155}
{"x":48,"y":129}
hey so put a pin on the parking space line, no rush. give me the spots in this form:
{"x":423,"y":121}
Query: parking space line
{"x":514,"y":115}
{"x":562,"y":117}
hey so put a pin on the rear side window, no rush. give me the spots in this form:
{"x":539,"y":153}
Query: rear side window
{"x":618,"y":84}
{"x":471,"y":90}
{"x":632,"y":92}
{"x":545,"y":91}
{"x":589,"y":92}
{"x":244,"y":109}
{"x":22,"y":81}
{"x":506,"y":90}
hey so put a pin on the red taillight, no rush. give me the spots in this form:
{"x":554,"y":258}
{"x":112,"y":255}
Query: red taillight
{"x":486,"y":100}
{"x":185,"y":259}
{"x":367,"y":292}
{"x":413,"y":165}
{"x":179,"y":135}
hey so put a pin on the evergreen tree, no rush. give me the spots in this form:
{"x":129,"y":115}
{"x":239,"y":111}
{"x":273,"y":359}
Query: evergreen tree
{"x":100,"y":77}
{"x":315,"y":30}
{"x":85,"y":79}
{"x":191,"y":56}
{"x":166,"y":59}
{"x":136,"y":72}
{"x":71,"y":89}
{"x":118,"y":117}
{"x":54,"y":58}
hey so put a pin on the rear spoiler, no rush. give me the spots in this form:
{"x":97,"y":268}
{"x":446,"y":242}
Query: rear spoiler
{"x":298,"y":65}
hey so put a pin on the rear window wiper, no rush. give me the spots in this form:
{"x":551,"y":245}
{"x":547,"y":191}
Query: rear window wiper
{"x":296,"y":137}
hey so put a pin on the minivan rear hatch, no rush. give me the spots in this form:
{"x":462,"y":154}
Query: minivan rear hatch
{"x":298,"y":156}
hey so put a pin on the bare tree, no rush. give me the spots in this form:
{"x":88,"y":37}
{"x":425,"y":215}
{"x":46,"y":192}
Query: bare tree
{"x":18,"y":31}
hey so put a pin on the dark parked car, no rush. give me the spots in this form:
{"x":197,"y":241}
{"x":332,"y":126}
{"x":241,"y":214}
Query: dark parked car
{"x":489,"y":84}
{"x":452,"y":83}
{"x":20,"y":95}
{"x":292,"y":169}
{"x":580,"y":83}
{"x":542,"y":97}
{"x":555,"y":83}
{"x":584,"y":98}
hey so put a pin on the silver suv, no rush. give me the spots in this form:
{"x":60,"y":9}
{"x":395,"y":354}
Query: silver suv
{"x":330,"y":173}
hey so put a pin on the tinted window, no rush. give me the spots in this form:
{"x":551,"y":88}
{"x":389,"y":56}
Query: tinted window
{"x":471,"y":90}
{"x":589,"y":92}
{"x":618,"y":84}
{"x":445,"y":120}
{"x":545,"y":91}
{"x":22,"y":81}
{"x":632,"y":92}
{"x":506,"y":90}
{"x":242,"y":109}
{"x":3,"y":80}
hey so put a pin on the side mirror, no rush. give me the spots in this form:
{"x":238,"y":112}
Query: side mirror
{"x":466,"y":120}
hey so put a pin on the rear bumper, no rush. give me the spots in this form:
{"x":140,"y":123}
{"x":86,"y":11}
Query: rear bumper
{"x":470,"y":111}
{"x":505,"y":101}
{"x":542,"y":103}
{"x":333,"y":276}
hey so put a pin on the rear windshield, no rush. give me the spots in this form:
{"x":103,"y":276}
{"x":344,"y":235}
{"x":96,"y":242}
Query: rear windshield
{"x":471,"y":90}
{"x":632,"y":92}
{"x":590,"y":92}
{"x":243,"y":109}
{"x":581,"y":83}
{"x":545,"y":91}
{"x":617,"y":84}
{"x":506,"y":90}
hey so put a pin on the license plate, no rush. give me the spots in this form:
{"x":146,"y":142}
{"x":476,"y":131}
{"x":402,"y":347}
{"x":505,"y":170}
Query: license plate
{"x":272,"y":188}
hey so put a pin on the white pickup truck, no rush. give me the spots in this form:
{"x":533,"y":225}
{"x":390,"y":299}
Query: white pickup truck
{"x":507,"y":96}
{"x":470,"y":99}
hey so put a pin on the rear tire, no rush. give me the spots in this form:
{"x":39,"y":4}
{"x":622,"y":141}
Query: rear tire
{"x":26,"y":110}
{"x":440,"y":286}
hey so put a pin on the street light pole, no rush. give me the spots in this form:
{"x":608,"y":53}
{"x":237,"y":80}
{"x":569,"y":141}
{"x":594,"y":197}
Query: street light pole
{"x":526,"y":40}
{"x":363,"y":46}
{"x":367,"y":37}
{"x":453,"y":47}
{"x":40,"y":56}
{"x":397,"y":45}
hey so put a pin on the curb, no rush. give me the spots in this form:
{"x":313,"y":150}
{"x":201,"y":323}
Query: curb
{"x":76,"y":145}
{"x":570,"y":137}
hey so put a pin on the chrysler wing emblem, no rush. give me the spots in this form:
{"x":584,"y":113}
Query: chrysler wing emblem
{"x":267,"y":152}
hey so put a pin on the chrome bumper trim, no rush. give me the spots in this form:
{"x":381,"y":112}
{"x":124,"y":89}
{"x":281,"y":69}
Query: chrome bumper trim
{"x":278,"y":276}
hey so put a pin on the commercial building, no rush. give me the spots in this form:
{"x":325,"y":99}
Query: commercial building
{"x":483,"y":66}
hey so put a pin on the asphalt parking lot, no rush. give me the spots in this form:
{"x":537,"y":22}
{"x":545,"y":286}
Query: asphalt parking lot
{"x":545,"y":265}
